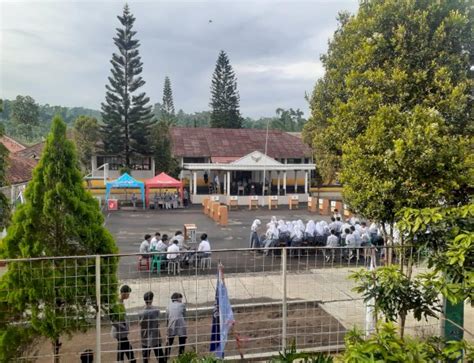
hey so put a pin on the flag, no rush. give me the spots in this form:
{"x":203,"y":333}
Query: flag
{"x":222,"y":317}
{"x":369,"y":306}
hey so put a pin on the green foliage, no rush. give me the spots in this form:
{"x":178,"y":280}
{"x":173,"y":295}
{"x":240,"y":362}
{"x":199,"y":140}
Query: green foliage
{"x":164,"y":161}
{"x":46,"y":114}
{"x":25,"y":113}
{"x":86,"y":135}
{"x":290,"y":355}
{"x":224,"y":95}
{"x":16,"y":341}
{"x":387,"y":346}
{"x":448,"y":232}
{"x":126,"y":115}
{"x":167,"y":114}
{"x":403,"y":160}
{"x":59,"y":218}
{"x":395,"y":54}
{"x":396,"y":295}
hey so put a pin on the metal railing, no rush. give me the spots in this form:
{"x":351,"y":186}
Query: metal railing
{"x":279,"y":296}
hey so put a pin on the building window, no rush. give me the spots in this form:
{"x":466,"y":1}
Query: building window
{"x":294,"y":161}
{"x":117,"y":162}
{"x":194,"y":160}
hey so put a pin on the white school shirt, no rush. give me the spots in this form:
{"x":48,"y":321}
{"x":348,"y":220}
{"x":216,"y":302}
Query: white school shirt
{"x":173,"y":248}
{"x":204,"y":246}
{"x":161,"y":246}
{"x":144,"y":247}
{"x":332,"y":241}
{"x":153,"y":244}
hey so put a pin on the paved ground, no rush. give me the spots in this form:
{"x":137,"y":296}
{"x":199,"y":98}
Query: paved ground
{"x":129,"y":227}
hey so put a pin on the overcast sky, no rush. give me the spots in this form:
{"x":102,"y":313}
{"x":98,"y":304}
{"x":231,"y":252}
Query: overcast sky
{"x":58,"y":52}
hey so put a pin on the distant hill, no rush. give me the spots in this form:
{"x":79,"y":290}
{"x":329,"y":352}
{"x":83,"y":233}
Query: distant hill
{"x":46,"y":114}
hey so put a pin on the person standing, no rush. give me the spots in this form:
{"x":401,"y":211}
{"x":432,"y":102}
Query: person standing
{"x":150,"y":330}
{"x":121,"y":328}
{"x":254,"y":239}
{"x":185,"y":198}
{"x":176,"y":323}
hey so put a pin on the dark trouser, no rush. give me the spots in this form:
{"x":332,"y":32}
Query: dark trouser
{"x":125,"y":348}
{"x":158,"y":354}
{"x":181,"y":341}
{"x":254,"y":240}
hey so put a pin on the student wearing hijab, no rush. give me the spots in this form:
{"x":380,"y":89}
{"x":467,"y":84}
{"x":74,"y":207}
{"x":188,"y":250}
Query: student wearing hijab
{"x":283,"y":233}
{"x":271,"y":237}
{"x":254,"y":239}
{"x":309,"y":231}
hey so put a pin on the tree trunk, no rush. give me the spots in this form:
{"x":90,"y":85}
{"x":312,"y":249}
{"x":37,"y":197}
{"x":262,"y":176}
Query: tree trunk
{"x":403,"y":317}
{"x":56,"y":346}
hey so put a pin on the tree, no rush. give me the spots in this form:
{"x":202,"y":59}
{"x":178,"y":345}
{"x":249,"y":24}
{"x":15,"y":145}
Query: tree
{"x":167,"y":108}
{"x":59,"y":218}
{"x":403,"y":160}
{"x":4,"y":206}
{"x":25,"y":113}
{"x":401,"y":53}
{"x":289,"y":120}
{"x":164,"y":161}
{"x":86,"y":135}
{"x":126,"y":115}
{"x":224,"y":95}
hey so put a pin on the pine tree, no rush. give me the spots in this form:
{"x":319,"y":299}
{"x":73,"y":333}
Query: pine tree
{"x":224,"y":95}
{"x":167,"y":109}
{"x":4,"y":207}
{"x":59,"y":218}
{"x":126,"y":115}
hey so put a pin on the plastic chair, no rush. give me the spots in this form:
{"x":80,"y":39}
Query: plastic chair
{"x":156,"y":263}
{"x":206,"y":262}
{"x":143,"y":262}
{"x":173,"y":266}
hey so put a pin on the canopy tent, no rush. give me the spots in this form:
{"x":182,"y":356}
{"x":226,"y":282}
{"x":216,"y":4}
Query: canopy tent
{"x":162,"y":180}
{"x":125,"y":181}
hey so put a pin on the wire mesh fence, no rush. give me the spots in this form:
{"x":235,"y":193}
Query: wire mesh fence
{"x":280,"y":296}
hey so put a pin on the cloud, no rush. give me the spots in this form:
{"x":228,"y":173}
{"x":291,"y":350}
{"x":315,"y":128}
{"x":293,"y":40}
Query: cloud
{"x":303,"y":70}
{"x":59,"y":51}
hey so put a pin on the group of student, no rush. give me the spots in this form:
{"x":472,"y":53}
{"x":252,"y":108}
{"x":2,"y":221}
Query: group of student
{"x":149,"y":324}
{"x":351,"y":233}
{"x":167,"y":200}
{"x":176,"y":249}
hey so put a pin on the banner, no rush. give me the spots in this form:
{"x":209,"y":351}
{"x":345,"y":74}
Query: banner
{"x":222,"y":317}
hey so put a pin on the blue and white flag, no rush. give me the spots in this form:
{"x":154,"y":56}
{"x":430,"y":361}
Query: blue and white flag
{"x":222,"y":317}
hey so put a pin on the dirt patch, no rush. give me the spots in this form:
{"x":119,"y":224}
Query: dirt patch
{"x":259,"y":330}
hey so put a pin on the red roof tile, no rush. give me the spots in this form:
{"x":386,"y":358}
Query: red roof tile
{"x":20,"y":169}
{"x":12,"y":145}
{"x":209,"y":142}
{"x":32,"y":152}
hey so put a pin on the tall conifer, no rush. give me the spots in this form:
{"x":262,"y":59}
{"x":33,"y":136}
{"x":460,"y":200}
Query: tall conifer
{"x":126,"y":114}
{"x":224,"y":95}
{"x":59,"y":218}
{"x":167,"y":108}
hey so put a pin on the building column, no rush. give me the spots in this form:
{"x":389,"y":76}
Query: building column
{"x":278,"y":183}
{"x":296,"y":181}
{"x":228,"y":183}
{"x":225,"y":184}
{"x":284,"y":181}
{"x":194,"y":183}
{"x":269,"y":186}
{"x":306,"y":182}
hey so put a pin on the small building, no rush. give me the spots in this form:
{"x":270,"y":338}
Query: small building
{"x":242,"y":162}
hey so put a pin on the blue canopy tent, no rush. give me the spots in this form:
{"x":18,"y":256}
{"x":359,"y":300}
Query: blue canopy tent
{"x":125,"y":181}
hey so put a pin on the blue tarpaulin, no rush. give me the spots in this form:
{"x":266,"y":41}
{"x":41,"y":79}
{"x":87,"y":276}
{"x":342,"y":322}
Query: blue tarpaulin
{"x":125,"y":181}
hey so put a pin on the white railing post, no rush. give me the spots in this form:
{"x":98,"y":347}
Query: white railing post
{"x":284,"y":313}
{"x":97,"y":319}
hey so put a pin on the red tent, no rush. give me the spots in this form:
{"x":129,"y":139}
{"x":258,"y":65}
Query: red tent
{"x":162,"y":180}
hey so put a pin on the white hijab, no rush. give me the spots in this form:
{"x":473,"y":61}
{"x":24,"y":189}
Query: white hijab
{"x":282,"y":228}
{"x":310,"y":228}
{"x":256,"y":223}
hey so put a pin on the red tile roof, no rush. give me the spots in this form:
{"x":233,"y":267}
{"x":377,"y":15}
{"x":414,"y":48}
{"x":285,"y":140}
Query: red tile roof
{"x":20,"y":170}
{"x":32,"y":152}
{"x":12,"y":145}
{"x":209,"y":142}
